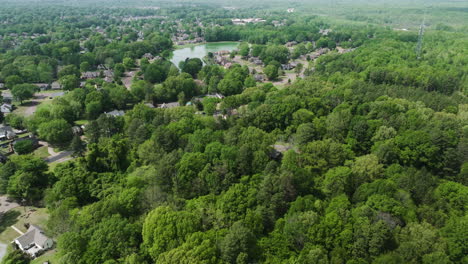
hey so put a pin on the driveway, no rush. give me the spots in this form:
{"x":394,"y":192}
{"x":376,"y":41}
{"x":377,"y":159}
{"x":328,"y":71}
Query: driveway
{"x":61,"y":156}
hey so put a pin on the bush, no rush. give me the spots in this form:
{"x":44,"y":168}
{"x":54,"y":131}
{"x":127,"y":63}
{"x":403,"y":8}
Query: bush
{"x":24,"y":147}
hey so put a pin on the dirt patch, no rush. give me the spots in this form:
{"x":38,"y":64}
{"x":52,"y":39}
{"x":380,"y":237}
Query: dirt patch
{"x":5,"y":206}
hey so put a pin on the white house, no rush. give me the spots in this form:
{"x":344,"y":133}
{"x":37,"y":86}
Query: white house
{"x":34,"y":241}
{"x":6,"y":108}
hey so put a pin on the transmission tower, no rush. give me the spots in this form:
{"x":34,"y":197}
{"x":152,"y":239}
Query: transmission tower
{"x":420,"y":37}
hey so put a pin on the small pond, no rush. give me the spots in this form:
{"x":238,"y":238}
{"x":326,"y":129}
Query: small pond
{"x":200,"y":51}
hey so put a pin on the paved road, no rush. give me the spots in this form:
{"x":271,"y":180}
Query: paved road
{"x":61,"y":156}
{"x":3,"y":250}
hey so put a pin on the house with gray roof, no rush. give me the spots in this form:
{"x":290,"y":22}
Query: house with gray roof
{"x":116,"y":113}
{"x":34,"y":242}
{"x":6,"y":108}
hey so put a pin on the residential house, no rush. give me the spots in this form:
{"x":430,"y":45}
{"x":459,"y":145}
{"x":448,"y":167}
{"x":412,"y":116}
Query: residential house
{"x":56,"y":86}
{"x":256,"y":61}
{"x":116,"y":113}
{"x":6,"y":132}
{"x":215,"y":95}
{"x":168,"y":105}
{"x":6,"y":108}
{"x":42,"y":86}
{"x":77,"y":130}
{"x":291,"y":43}
{"x":288,"y":66}
{"x":90,"y":75}
{"x":259,"y":77}
{"x":34,"y":242}
{"x":148,"y":56}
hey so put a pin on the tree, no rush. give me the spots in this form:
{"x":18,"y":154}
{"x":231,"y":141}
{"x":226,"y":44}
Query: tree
{"x":16,"y":257}
{"x":192,"y":66}
{"x":56,"y":132}
{"x":237,"y":242}
{"x":24,"y":147}
{"x":129,"y":63}
{"x":27,"y":179}
{"x":166,"y":229}
{"x":155,"y":73}
{"x":77,"y":146}
{"x":271,"y":72}
{"x":85,"y":66}
{"x":69,"y":70}
{"x":69,"y":82}
{"x":23,"y":92}
{"x":13,"y":80}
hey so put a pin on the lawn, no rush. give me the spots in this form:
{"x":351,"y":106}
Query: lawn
{"x":41,"y":152}
{"x":81,"y":122}
{"x":50,"y":256}
{"x":18,"y":217}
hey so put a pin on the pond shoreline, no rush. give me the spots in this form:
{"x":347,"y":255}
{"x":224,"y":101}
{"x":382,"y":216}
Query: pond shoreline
{"x":201,"y":50}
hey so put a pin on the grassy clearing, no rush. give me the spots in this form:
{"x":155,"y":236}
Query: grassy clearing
{"x":41,"y":152}
{"x":18,"y":217}
{"x":81,"y":122}
{"x":50,"y":256}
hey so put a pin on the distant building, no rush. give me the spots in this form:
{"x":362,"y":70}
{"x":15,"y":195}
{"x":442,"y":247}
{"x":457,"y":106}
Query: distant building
{"x":34,"y":242}
{"x":6,"y":108}
{"x":259,"y":77}
{"x":90,"y":75}
{"x":116,"y":113}
{"x":291,"y":43}
{"x":56,"y":86}
{"x":290,"y":10}
{"x":6,"y":132}
{"x":77,"y":130}
{"x":148,"y":56}
{"x":169,"y":105}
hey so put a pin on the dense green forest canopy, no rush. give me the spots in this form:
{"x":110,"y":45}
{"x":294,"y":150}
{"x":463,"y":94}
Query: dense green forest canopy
{"x":362,"y":159}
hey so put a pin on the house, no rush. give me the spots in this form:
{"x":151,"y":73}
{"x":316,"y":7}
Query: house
{"x":223,"y":52}
{"x":288,"y":66}
{"x":89,"y":75}
{"x":42,"y":86}
{"x":168,"y":105}
{"x":2,"y":86}
{"x":256,"y":61}
{"x":6,"y":132}
{"x":325,"y":32}
{"x":77,"y":130}
{"x":215,"y":95}
{"x":148,"y":56}
{"x":291,"y":43}
{"x":56,"y":86}
{"x":259,"y":77}
{"x":34,"y":242}
{"x":6,"y":108}
{"x":116,"y":113}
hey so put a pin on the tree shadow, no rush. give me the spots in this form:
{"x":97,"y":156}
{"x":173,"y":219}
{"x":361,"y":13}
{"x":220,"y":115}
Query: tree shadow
{"x":30,"y":103}
{"x":8,"y":219}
